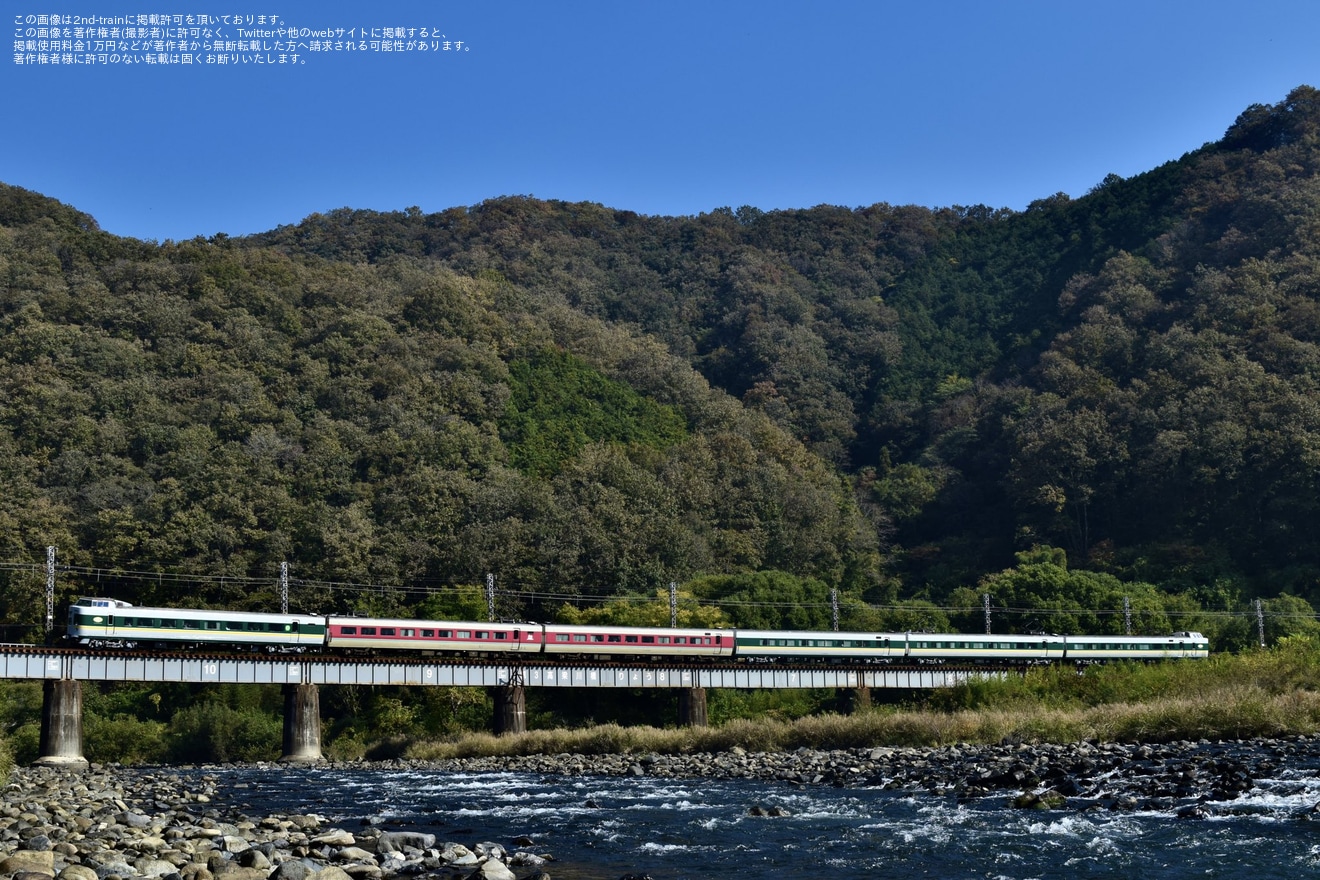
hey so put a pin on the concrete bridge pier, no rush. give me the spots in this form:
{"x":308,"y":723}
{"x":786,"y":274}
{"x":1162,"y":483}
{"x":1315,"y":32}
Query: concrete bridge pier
{"x":510,"y":709}
{"x":302,"y":724}
{"x":859,"y":699}
{"x":692,"y":707}
{"x":61,"y":742}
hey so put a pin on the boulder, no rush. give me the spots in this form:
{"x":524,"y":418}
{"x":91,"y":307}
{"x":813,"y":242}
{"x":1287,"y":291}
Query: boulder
{"x":492,"y":869}
{"x":77,"y":872}
{"x":398,"y":841}
{"x":38,"y":861}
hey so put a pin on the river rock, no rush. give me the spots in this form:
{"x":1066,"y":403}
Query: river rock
{"x":332,"y":872}
{"x":401,"y":841}
{"x":492,"y":869}
{"x":37,"y":861}
{"x":77,"y":872}
{"x":354,"y":854}
{"x":153,"y":867}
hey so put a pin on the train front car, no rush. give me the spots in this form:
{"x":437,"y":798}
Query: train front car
{"x":100,"y":622}
{"x":92,"y":621}
{"x":628,"y":641}
{"x":1107,"y":649}
{"x":431,"y":636}
{"x":773,"y":646}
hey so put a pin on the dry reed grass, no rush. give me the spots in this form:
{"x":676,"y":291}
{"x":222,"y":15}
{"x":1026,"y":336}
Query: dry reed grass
{"x":1266,"y":694}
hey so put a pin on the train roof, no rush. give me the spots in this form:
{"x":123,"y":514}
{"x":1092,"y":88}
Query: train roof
{"x":648,"y":630}
{"x":194,"y":613}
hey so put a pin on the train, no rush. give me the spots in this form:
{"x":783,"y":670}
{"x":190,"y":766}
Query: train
{"x":112,"y":623}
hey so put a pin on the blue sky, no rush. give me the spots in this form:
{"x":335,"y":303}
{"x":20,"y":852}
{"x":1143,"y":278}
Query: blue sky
{"x":669,"y":107}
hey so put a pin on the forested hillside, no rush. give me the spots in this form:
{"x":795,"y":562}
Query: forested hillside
{"x":899,"y":402}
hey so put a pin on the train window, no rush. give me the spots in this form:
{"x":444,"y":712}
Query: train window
{"x":615,"y":639}
{"x":446,"y":633}
{"x":579,"y":637}
{"x":664,"y":640}
{"x":680,"y":640}
{"x":368,"y":630}
{"x":632,"y":640}
{"x":428,"y":633}
{"x":561,"y":637}
{"x":648,"y":640}
{"x":483,"y":635}
{"x":408,"y":633}
{"x":388,"y":631}
{"x":465,"y":634}
{"x":348,"y":630}
{"x":501,"y":635}
{"x":596,"y":638}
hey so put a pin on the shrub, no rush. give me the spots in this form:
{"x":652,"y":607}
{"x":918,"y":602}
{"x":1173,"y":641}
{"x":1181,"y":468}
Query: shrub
{"x":214,"y":732}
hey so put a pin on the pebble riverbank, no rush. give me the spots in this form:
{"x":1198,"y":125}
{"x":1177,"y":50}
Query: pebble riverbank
{"x":111,"y":823}
{"x":104,"y":824}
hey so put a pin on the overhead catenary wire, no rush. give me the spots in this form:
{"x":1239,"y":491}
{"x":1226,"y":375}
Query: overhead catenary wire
{"x":425,"y":587}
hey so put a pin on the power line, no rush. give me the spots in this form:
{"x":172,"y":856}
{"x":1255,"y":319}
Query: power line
{"x":425,"y":587}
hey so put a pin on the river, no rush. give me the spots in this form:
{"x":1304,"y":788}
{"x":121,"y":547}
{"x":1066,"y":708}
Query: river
{"x":605,"y":827}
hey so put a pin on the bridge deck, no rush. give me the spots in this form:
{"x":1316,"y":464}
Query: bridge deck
{"x":27,"y":662}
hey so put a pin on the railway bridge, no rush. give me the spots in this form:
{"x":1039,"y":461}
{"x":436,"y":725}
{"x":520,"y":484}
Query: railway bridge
{"x":62,"y":671}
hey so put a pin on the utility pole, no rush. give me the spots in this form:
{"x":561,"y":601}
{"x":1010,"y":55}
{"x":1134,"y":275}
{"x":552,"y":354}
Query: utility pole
{"x":834,"y":607}
{"x":673,"y":604}
{"x":284,"y":588}
{"x":50,"y":593}
{"x":985,"y":601}
{"x":490,"y":596}
{"x":1260,"y":622}
{"x":1127,"y":616}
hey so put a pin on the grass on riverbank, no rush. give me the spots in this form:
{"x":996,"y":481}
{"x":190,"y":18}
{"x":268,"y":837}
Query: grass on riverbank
{"x":1263,"y":694}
